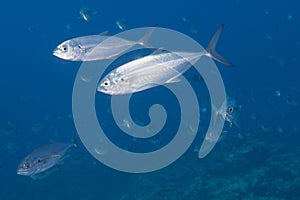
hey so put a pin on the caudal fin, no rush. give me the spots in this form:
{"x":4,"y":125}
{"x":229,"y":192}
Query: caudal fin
{"x":144,"y":40}
{"x":211,"y":48}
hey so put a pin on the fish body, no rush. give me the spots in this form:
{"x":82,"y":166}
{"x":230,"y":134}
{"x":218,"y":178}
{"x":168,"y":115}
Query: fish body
{"x":43,"y":158}
{"x":88,"y":48}
{"x":155,"y":69}
{"x":147,"y":72}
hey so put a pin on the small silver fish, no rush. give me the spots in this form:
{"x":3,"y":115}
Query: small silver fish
{"x":43,"y":158}
{"x":155,"y":69}
{"x":86,"y":14}
{"x":230,"y":113}
{"x":87,"y":48}
{"x":122,"y":24}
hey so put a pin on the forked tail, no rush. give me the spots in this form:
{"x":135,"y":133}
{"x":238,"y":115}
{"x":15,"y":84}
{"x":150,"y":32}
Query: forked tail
{"x":211,"y":48}
{"x":144,"y":40}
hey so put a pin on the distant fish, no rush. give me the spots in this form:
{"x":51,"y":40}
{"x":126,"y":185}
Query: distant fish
{"x":122,"y":24}
{"x":86,"y":14}
{"x":43,"y":158}
{"x":233,"y":111}
{"x":230,"y":113}
{"x":186,"y":19}
{"x":87,"y":48}
{"x":155,"y":69}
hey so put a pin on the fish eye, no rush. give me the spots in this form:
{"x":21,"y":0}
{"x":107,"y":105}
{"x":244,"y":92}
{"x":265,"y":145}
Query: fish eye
{"x":231,"y":109}
{"x":26,"y":165}
{"x":64,"y":48}
{"x":106,"y":83}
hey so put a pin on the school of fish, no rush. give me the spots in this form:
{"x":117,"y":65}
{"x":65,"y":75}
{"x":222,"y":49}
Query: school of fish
{"x":143,"y":73}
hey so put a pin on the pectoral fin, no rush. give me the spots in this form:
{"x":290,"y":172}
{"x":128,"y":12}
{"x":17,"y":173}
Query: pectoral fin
{"x":174,"y":80}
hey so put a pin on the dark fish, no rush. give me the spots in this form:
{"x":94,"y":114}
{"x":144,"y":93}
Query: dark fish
{"x":43,"y":158}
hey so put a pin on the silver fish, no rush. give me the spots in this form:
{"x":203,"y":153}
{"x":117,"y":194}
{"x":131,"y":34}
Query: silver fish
{"x":155,"y":69}
{"x":230,"y":113}
{"x":87,"y":48}
{"x":122,"y":24}
{"x":86,"y":14}
{"x":43,"y":158}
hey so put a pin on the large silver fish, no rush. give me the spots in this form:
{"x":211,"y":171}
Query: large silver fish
{"x":87,"y":48}
{"x":43,"y":158}
{"x":155,"y":69}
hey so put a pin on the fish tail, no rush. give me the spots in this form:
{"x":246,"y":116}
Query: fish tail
{"x":144,"y":40}
{"x":211,"y":48}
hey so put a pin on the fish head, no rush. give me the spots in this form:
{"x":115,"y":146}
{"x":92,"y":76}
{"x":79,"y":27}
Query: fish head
{"x":232,"y":111}
{"x":113,"y":85}
{"x":27,"y":167}
{"x":66,"y":50}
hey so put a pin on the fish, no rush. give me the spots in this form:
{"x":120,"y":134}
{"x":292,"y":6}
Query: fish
{"x":230,"y":113}
{"x":87,"y":48}
{"x":121,"y":24}
{"x":155,"y":69}
{"x":86,"y":14}
{"x":43,"y":158}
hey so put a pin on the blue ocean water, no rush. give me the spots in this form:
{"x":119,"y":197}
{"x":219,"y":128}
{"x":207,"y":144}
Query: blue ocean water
{"x":260,"y":38}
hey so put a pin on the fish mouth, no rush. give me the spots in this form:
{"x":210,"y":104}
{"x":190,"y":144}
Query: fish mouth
{"x":60,"y":54}
{"x":56,"y":52}
{"x":104,"y":90}
{"x":20,"y":172}
{"x":101,"y":89}
{"x":23,"y":172}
